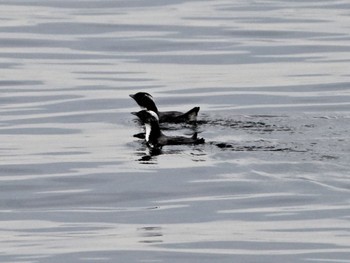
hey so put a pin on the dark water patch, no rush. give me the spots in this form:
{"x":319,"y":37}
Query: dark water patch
{"x":11,"y":83}
{"x":119,"y":87}
{"x":80,"y":63}
{"x":328,"y":157}
{"x":275,"y":20}
{"x":76,"y":28}
{"x":62,"y":28}
{"x":265,"y":20}
{"x":312,"y":229}
{"x":96,"y":4}
{"x":282,"y":5}
{"x":107,"y":72}
{"x":249,"y":8}
{"x":297,"y":49}
{"x":86,"y":104}
{"x":25,"y":89}
{"x":310,"y":75}
{"x":253,"y":245}
{"x":331,"y":60}
{"x":39,"y":131}
{"x":256,"y":147}
{"x":64,"y":153}
{"x":217,"y":59}
{"x":331,"y":5}
{"x":271,"y":214}
{"x":116,"y":79}
{"x":278,"y":34}
{"x":68,"y":229}
{"x":8,"y":65}
{"x":59,"y":56}
{"x":43,"y":169}
{"x":34,"y":99}
{"x":229,"y":91}
{"x":29,"y":43}
{"x":14,"y":112}
{"x":72,"y":117}
{"x":258,"y":126}
{"x":137,"y":45}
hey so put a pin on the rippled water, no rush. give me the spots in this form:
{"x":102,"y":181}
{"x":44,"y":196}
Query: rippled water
{"x":271,"y":184}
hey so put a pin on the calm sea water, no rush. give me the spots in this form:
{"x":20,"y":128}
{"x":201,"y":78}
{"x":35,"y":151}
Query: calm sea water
{"x":272,"y":183}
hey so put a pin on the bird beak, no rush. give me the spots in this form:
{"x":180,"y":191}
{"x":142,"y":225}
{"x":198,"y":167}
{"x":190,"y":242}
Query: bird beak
{"x":134,"y":113}
{"x":132,"y":96}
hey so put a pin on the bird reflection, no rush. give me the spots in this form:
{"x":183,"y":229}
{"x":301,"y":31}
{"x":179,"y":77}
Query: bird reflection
{"x":146,"y":155}
{"x":151,"y":234}
{"x":150,"y":157}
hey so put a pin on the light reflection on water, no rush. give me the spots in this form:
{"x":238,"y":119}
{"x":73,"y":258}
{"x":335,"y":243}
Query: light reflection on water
{"x":272,"y":182}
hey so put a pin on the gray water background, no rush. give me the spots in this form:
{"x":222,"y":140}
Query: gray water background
{"x":272,"y":183}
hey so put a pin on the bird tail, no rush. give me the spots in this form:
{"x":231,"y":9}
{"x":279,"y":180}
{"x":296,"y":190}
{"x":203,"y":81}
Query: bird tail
{"x":191,"y":115}
{"x":196,"y":139}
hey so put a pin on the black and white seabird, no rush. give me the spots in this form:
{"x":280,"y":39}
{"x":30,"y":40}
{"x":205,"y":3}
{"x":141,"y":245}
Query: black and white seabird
{"x":146,"y":101}
{"x":155,"y":138}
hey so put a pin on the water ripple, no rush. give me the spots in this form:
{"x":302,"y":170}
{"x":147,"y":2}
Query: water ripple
{"x":270,"y":185}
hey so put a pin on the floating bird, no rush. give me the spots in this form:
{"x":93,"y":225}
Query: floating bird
{"x":145,"y":101}
{"x":155,"y":138}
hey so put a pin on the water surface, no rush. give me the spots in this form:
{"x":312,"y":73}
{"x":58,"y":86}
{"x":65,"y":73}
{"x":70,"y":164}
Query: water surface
{"x":272,"y":182}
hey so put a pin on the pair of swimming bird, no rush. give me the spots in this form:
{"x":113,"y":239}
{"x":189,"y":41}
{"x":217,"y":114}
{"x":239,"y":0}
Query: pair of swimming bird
{"x":151,"y":117}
